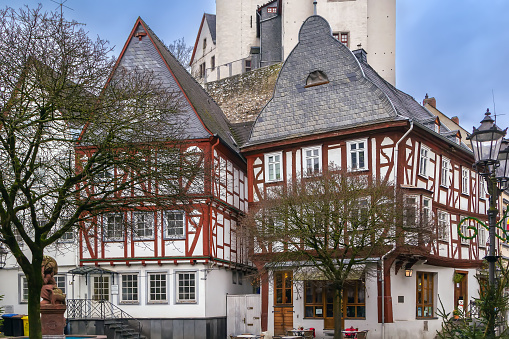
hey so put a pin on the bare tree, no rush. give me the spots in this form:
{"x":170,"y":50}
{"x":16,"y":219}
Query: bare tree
{"x":330,"y":226}
{"x":79,"y":135}
{"x":182,"y":52}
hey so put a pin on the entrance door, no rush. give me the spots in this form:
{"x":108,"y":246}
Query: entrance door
{"x":460,"y":290}
{"x":328,"y":319}
{"x":283,"y":320}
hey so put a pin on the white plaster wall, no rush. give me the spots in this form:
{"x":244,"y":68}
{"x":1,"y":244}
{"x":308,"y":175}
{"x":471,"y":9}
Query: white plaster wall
{"x":204,"y":55}
{"x":219,"y":283}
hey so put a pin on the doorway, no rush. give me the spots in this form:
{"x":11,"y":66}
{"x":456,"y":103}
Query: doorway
{"x":461,"y":290}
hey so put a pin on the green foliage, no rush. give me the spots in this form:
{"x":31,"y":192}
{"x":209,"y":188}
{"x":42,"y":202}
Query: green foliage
{"x":491,"y":307}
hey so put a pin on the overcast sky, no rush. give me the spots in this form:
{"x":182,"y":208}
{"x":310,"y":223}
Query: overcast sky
{"x":454,"y":50}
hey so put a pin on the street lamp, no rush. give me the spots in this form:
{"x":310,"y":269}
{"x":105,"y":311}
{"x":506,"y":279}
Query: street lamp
{"x":491,"y":162}
{"x":3,"y":257}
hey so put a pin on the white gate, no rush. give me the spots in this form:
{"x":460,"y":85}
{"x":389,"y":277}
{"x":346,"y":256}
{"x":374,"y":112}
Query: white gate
{"x":243,"y":312}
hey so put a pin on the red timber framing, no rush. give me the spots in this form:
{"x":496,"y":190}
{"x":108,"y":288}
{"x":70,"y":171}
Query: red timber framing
{"x":381,"y":141}
{"x":210,"y":221}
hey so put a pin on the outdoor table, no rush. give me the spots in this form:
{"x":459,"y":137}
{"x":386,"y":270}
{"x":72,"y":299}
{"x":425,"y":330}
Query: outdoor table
{"x":301,"y":333}
{"x":353,"y":333}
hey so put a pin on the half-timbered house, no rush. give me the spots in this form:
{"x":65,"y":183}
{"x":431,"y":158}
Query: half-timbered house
{"x":329,"y":104}
{"x":171,"y":266}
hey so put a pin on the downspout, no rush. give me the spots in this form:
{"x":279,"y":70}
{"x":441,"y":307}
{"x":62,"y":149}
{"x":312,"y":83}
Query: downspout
{"x":395,"y":176}
{"x":259,"y":14}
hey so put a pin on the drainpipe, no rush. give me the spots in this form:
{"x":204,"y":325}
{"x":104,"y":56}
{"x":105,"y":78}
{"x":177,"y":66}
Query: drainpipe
{"x":395,"y":176}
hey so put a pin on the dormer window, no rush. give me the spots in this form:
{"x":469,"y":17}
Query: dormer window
{"x":437,"y":128}
{"x":316,"y":78}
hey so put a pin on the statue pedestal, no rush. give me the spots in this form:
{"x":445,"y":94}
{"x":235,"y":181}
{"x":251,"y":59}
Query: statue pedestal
{"x":52,"y":319}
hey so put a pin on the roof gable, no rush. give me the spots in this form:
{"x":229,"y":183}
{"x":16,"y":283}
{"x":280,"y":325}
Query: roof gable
{"x":203,"y":116}
{"x":209,"y":21}
{"x":345,"y":99}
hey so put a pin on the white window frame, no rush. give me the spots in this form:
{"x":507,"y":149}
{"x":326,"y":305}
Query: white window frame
{"x":269,"y":163}
{"x":424,"y":161}
{"x":357,"y":151}
{"x":426,"y":210}
{"x":444,"y":172}
{"x":146,"y":220}
{"x":170,"y":224}
{"x":132,"y":287}
{"x":465,"y":180}
{"x":104,"y":286}
{"x":311,"y":157}
{"x":192,"y":289}
{"x":23,"y":289}
{"x":482,"y":236}
{"x":464,"y":230}
{"x":61,"y":282}
{"x":482,"y":188}
{"x":443,"y":225}
{"x":118,"y":235}
{"x":162,"y":289}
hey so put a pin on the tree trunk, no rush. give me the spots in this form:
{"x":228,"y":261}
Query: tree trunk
{"x":338,"y":311}
{"x":34,"y":282}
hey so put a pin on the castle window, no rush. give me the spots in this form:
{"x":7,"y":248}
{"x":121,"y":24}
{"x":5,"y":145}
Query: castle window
{"x":316,"y":78}
{"x":343,"y":37}
{"x":271,"y":9}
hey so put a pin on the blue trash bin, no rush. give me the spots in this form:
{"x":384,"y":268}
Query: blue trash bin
{"x":8,"y":324}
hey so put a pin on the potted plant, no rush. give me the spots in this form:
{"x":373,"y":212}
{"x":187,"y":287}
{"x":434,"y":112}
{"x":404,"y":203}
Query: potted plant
{"x":458,"y":277}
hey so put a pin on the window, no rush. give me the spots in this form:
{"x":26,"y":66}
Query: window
{"x":60,"y":280}
{"x":343,"y":37}
{"x":482,"y":188}
{"x":464,"y":231}
{"x":312,"y":160}
{"x":23,"y":292}
{"x":444,"y":172}
{"x":101,"y":288}
{"x":316,"y":78}
{"x":482,"y":236}
{"x":443,"y":226}
{"x":143,"y":225}
{"x":425,"y":296}
{"x":426,"y":211}
{"x":186,"y":287}
{"x":157,"y":288}
{"x":175,"y":225}
{"x":241,"y":277}
{"x":204,"y":43}
{"x":423,"y":165}
{"x":234,"y":277}
{"x":357,"y":160}
{"x":213,"y":62}
{"x":113,"y":227}
{"x":283,"y":288}
{"x":273,"y":167}
{"x":202,"y":70}
{"x":319,"y":298}
{"x":465,"y":180}
{"x":355,"y":297}
{"x":271,"y":9}
{"x":129,"y":288}
{"x":437,"y":128}
{"x":247,"y":65}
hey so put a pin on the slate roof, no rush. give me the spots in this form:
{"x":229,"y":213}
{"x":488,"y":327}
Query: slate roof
{"x":354,"y":95}
{"x":211,"y":21}
{"x":348,"y":99}
{"x":203,"y":115}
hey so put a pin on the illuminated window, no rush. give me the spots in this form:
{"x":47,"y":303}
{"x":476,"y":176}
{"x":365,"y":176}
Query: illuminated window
{"x":283,"y":288}
{"x":425,"y":295}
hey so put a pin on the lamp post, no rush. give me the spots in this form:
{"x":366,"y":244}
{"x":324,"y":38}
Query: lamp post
{"x":492,"y":164}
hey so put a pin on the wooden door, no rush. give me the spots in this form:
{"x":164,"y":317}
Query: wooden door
{"x":283,"y":320}
{"x":328,"y":317}
{"x":460,"y":290}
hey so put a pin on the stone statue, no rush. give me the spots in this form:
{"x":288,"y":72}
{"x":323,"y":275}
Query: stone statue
{"x":50,"y":293}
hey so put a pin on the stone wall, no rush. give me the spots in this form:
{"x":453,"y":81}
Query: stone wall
{"x":242,"y":96}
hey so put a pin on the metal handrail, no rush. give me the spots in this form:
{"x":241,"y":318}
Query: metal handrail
{"x":97,"y":309}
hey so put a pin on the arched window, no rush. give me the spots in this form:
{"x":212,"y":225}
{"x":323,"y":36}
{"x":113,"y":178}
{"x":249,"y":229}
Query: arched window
{"x":316,"y":78}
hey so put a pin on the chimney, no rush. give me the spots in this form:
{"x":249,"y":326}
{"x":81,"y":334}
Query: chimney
{"x":432,"y":101}
{"x":361,"y":54}
{"x":456,"y":120}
